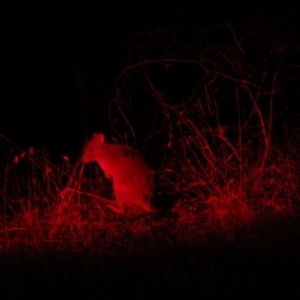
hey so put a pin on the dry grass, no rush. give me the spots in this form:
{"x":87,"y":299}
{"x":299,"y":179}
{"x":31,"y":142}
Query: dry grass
{"x":41,"y":214}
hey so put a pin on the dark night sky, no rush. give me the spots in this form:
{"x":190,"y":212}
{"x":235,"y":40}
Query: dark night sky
{"x":46,"y":46}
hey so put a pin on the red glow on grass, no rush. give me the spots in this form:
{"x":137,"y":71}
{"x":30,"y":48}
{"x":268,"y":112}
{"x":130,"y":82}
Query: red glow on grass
{"x":209,"y":114}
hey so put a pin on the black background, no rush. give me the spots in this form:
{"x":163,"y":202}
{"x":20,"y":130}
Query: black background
{"x":48,"y":49}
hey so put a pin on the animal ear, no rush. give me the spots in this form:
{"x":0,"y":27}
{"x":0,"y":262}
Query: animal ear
{"x":101,"y":138}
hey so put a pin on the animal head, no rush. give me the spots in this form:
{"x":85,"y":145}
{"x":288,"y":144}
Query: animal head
{"x":90,"y":150}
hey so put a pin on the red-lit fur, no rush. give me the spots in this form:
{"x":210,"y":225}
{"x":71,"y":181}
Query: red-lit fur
{"x":132,"y":178}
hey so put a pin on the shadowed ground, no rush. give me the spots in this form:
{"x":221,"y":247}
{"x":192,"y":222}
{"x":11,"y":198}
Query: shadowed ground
{"x":188,"y":273}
